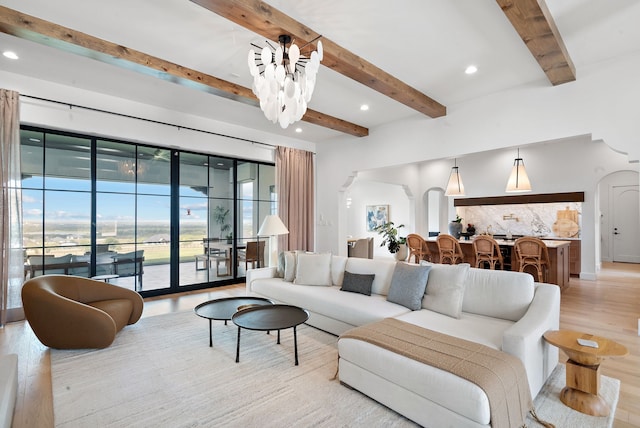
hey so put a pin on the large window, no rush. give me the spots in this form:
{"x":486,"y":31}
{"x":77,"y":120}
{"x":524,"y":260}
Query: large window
{"x":151,"y":219}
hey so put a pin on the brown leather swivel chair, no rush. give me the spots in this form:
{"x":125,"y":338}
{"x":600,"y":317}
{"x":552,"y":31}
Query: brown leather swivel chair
{"x":487,"y":250}
{"x":73,"y":312}
{"x":450,"y":250}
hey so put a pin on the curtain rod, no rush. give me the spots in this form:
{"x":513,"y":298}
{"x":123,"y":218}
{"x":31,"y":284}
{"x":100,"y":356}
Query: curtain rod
{"x":146,"y":120}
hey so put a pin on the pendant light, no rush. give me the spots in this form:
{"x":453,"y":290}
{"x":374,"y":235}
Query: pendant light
{"x":455,"y":186}
{"x":518,"y":180}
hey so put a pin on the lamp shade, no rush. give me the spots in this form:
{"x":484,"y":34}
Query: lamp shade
{"x":455,"y":186}
{"x":518,"y":180}
{"x":272,"y":226}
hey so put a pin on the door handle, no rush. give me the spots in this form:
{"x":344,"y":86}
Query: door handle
{"x":615,"y":231}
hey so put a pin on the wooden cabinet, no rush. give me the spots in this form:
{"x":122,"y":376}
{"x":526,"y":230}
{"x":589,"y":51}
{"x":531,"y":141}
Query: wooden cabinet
{"x":575,"y":255}
{"x":559,"y":266}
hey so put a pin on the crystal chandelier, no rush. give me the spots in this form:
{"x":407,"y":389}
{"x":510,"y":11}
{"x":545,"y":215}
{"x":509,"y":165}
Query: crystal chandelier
{"x":130,"y":168}
{"x":284,"y":78}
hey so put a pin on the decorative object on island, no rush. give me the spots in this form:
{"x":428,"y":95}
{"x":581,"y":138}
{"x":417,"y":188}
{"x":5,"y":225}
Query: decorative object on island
{"x":397,"y":245}
{"x":455,"y":186}
{"x":455,"y":227}
{"x":518,"y":180}
{"x":272,"y":226}
{"x":471,"y":229}
{"x":284,"y":78}
{"x":377,"y":215}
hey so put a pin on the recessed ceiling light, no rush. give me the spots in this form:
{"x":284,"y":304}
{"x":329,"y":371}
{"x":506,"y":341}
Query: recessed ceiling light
{"x":220,"y":164}
{"x":10,"y":54}
{"x":471,"y":69}
{"x":364,"y":107}
{"x":298,"y":130}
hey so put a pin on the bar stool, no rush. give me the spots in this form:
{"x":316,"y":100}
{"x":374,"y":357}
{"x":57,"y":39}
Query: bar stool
{"x":417,"y":248}
{"x":449,"y":249}
{"x":533,"y":252}
{"x":487,"y":250}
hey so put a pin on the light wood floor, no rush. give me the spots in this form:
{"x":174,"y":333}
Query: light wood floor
{"x":609,"y":306}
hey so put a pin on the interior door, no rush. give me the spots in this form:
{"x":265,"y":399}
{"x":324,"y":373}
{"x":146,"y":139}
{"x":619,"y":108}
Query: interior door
{"x":626,"y":224}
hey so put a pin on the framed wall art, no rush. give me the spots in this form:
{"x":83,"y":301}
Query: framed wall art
{"x":377,"y":215}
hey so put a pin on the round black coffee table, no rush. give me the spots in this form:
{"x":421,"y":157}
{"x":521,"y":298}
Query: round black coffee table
{"x":223,"y":309}
{"x":267,"y":318}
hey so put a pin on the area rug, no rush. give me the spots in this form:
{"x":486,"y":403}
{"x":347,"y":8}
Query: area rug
{"x":550,"y":409}
{"x":161,"y":372}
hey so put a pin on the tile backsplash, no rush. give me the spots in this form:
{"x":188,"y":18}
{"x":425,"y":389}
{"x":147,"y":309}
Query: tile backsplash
{"x":525,"y":219}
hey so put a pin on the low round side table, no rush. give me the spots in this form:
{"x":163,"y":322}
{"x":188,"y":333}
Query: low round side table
{"x":583,"y":369}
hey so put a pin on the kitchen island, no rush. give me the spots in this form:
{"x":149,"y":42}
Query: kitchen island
{"x":558,"y":257}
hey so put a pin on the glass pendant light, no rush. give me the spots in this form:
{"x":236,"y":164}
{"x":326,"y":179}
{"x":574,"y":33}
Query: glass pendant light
{"x":455,"y":186}
{"x":518,"y":180}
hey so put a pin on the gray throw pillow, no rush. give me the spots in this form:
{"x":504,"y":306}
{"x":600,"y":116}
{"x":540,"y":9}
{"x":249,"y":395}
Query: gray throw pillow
{"x":408,"y":284}
{"x":357,"y":282}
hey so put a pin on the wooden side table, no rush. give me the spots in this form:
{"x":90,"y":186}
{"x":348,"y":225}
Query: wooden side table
{"x":583,"y":369}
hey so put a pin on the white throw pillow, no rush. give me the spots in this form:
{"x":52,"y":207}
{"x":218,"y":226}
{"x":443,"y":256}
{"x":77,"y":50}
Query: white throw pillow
{"x":289,"y":272}
{"x":313,"y":269}
{"x":445,"y":288}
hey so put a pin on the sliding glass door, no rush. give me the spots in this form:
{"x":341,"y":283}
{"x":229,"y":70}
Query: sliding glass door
{"x":150,"y":219}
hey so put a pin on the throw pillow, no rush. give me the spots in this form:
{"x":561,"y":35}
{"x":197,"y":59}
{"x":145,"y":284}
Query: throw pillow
{"x":313,"y":269}
{"x":289,"y":266}
{"x":445,"y":289}
{"x":281,"y":265}
{"x":357,"y":282}
{"x":408,"y":284}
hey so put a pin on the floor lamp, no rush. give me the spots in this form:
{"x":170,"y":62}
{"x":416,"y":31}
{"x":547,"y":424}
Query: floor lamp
{"x":272,"y":226}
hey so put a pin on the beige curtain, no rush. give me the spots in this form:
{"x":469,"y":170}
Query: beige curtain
{"x":12,"y":260}
{"x":295,"y":185}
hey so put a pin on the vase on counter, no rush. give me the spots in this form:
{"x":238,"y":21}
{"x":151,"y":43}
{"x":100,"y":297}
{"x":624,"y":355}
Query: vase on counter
{"x":455,"y":229}
{"x":402,"y":253}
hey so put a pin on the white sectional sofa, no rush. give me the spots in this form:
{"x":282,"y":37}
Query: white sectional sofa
{"x":503,"y":310}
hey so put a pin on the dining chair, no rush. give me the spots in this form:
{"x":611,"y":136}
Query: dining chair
{"x":362,"y":248}
{"x":449,"y":249}
{"x":254,"y":253}
{"x":531,"y":251}
{"x":487,"y":250}
{"x":417,"y":248}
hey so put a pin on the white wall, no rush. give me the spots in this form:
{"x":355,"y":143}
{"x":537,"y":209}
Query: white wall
{"x":367,"y":192}
{"x":569,"y":165}
{"x":602,"y":103}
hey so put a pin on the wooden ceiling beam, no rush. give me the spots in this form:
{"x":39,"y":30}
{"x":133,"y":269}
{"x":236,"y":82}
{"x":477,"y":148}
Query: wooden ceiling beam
{"x":535,"y":25}
{"x":49,"y":34}
{"x":269,"y":22}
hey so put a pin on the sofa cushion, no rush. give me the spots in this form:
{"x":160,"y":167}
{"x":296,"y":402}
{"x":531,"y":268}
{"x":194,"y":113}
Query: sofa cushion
{"x":408,"y":284}
{"x":357,"y":282}
{"x":383,"y":270}
{"x":475,"y":328}
{"x":313,"y":269}
{"x":351,"y":308}
{"x":289,"y":265}
{"x":338,"y":264}
{"x":498,"y":294}
{"x":445,"y":288}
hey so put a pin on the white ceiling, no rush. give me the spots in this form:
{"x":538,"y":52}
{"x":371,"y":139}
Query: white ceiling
{"x":425,"y":43}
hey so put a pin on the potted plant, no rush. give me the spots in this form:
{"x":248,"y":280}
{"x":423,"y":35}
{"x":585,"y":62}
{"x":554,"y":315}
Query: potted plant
{"x":220,"y":218}
{"x":397,"y":245}
{"x":455,"y":227}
